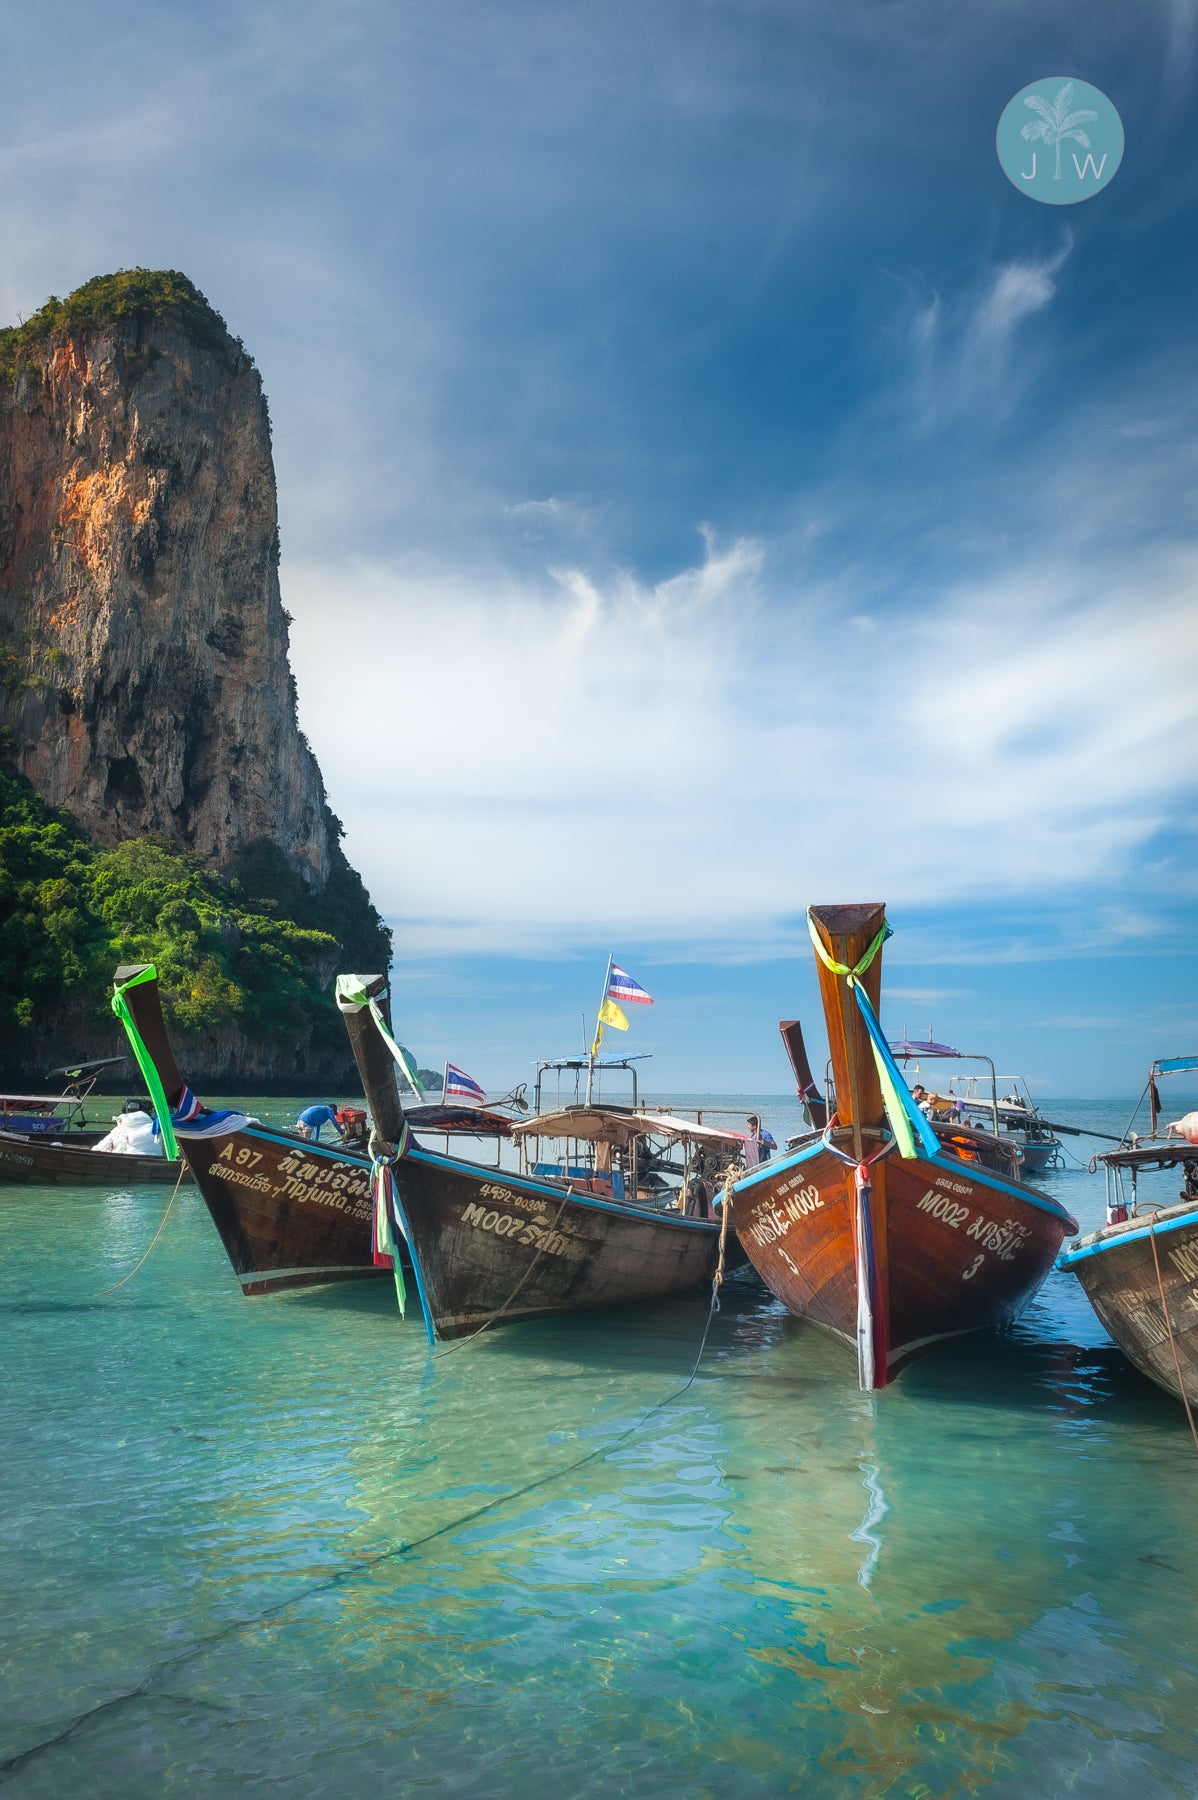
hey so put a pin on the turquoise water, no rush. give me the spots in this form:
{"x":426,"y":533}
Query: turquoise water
{"x":258,"y":1546}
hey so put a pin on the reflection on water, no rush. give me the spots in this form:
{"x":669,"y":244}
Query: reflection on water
{"x":274,"y":1543}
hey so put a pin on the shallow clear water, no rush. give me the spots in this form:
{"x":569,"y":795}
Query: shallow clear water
{"x":274,"y":1545}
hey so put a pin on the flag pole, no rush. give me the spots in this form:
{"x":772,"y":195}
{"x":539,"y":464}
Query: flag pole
{"x":598,"y":1024}
{"x":444,"y":1085}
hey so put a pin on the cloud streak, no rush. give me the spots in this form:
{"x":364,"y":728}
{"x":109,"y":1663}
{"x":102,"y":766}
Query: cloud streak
{"x":698,"y":758}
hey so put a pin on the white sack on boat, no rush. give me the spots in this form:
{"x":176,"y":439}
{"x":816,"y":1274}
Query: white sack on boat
{"x":133,"y":1134}
{"x":1186,"y":1128}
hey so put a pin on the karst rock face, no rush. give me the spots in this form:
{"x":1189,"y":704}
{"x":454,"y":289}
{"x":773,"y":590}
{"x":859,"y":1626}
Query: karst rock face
{"x":147,"y":682}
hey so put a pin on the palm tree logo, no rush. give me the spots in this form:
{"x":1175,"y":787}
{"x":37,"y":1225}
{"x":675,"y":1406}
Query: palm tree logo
{"x":1056,"y":122}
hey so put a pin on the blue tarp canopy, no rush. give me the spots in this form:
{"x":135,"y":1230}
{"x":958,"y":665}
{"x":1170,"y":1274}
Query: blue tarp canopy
{"x":910,"y":1047}
{"x":1177,"y":1065}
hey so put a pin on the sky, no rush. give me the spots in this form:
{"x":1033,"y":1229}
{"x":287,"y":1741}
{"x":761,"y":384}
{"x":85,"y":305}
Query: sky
{"x":707,"y":487}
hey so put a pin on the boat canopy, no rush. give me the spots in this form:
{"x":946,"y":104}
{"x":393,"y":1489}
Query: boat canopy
{"x":601,"y":1125}
{"x":474,"y":1121}
{"x":37,"y":1103}
{"x":1164,"y":1153}
{"x":911,"y":1047}
{"x":1176,"y":1065}
{"x":73,"y":1071}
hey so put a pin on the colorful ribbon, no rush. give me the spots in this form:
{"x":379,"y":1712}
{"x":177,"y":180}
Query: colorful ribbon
{"x":349,"y":988}
{"x":145,"y":1061}
{"x":913,"y":1134}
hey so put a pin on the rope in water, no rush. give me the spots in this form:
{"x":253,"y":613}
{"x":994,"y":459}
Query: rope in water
{"x":364,"y":1565}
{"x":1185,"y":1398}
{"x":166,"y":1215}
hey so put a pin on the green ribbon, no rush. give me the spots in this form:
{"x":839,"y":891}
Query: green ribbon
{"x":349,"y":988}
{"x":145,"y":1061}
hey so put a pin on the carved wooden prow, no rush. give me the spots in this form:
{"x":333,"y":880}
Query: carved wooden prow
{"x":376,"y":1066}
{"x":145,"y":1009}
{"x":846,"y":933}
{"x":814,"y":1105}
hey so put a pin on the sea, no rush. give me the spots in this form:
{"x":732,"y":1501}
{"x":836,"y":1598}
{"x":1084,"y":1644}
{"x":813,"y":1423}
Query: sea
{"x":280,"y":1546}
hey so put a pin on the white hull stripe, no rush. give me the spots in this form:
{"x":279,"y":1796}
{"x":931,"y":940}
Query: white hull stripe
{"x":327,"y":1269}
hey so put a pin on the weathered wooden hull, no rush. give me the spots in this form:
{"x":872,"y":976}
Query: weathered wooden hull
{"x":954,"y":1248}
{"x":38,"y":1162}
{"x":492,"y":1247}
{"x":1119,"y":1273}
{"x":290,"y":1213}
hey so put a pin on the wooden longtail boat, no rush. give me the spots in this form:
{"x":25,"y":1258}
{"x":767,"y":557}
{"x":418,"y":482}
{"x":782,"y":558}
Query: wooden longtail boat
{"x":490,"y":1246}
{"x":290,"y":1213}
{"x":73,"y":1162}
{"x":1140,"y":1271}
{"x":45,"y":1139}
{"x":871,"y":1229}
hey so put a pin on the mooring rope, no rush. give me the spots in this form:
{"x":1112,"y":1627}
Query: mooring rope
{"x":1185,"y":1398}
{"x":366,"y":1564}
{"x":437,"y":1355}
{"x":166,"y":1215}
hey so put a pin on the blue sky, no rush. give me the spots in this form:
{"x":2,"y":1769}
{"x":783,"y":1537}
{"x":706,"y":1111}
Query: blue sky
{"x":707,"y":486}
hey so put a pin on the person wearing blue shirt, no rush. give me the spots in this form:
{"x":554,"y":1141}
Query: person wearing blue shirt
{"x":313,"y":1118}
{"x":765,"y":1141}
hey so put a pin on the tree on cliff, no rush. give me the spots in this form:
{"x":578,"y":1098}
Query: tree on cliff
{"x":146,"y":690}
{"x":248,"y":990}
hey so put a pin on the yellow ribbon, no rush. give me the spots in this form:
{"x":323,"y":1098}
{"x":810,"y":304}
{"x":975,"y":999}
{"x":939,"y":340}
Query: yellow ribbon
{"x":843,"y":968}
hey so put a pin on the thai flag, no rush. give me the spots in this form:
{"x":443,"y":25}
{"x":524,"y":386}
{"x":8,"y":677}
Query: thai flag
{"x":458,"y":1082}
{"x":622,"y":987}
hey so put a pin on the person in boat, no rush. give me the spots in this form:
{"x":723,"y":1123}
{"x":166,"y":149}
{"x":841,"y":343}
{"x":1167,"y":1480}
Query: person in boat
{"x":761,"y":1144}
{"x":937,"y":1106}
{"x":313,"y":1120}
{"x":134,"y":1132}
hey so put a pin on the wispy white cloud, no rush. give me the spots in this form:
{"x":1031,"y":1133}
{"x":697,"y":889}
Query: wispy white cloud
{"x":696,"y":760}
{"x":961,"y":347}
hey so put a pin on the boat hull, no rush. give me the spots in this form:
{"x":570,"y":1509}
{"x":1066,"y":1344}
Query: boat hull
{"x":954,"y":1249}
{"x":290,"y":1213}
{"x":492,"y":1247}
{"x":1118,"y":1271}
{"x":1038,"y":1158}
{"x":34,"y":1161}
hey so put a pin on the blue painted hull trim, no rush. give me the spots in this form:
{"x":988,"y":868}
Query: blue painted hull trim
{"x":1068,"y":1258}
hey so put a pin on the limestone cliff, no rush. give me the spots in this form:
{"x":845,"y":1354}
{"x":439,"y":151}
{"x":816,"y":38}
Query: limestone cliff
{"x":144,"y":638}
{"x":145,"y":690}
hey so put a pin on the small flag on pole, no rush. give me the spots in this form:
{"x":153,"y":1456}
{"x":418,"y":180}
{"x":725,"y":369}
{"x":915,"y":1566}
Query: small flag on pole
{"x":610,"y":1014}
{"x":458,"y":1083}
{"x":622,"y":990}
{"x":621,"y":986}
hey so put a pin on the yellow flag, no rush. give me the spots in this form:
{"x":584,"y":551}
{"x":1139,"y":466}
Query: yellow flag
{"x":610,"y":1014}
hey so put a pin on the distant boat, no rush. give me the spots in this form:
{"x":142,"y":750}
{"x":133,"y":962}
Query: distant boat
{"x":873,"y":1229}
{"x":1140,"y":1271}
{"x":972,"y":1101}
{"x":75,"y":1162}
{"x":594,"y":1225}
{"x":45,"y":1140}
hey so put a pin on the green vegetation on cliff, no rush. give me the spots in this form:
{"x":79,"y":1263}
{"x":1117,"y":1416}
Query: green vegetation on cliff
{"x":258,"y":951}
{"x":130,"y":293}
